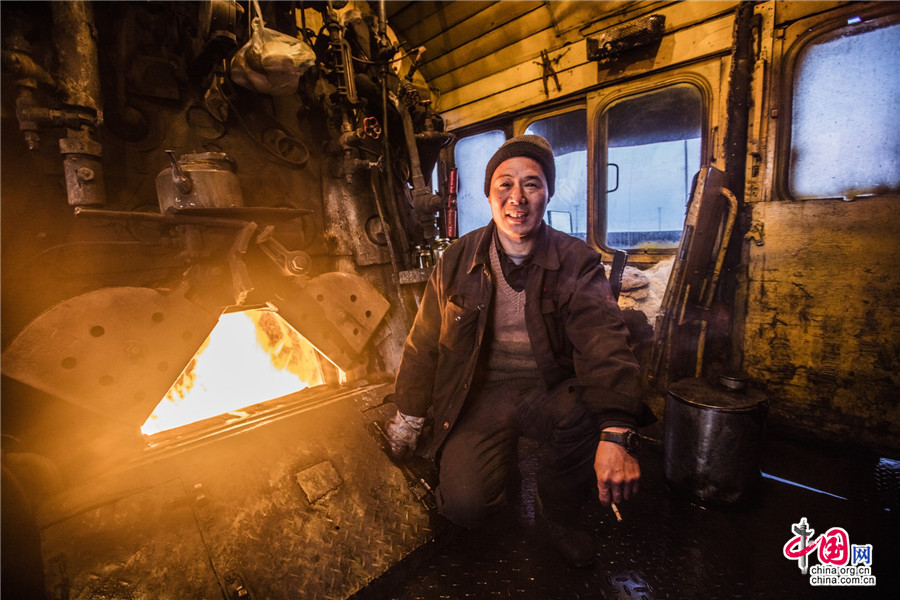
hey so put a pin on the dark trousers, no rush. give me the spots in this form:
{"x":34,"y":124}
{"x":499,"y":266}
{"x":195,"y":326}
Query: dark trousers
{"x":480,"y":454}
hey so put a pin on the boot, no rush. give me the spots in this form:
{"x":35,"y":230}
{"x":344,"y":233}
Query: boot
{"x":575,"y":546}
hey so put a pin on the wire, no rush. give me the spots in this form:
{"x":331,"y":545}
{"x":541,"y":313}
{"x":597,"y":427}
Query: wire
{"x":299,"y":163}
{"x":381,"y":62}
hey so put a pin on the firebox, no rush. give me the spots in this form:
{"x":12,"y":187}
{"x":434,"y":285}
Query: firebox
{"x":249,"y":357}
{"x":275,"y":483}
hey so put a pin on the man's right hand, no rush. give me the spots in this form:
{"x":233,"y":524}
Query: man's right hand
{"x":403,"y":434}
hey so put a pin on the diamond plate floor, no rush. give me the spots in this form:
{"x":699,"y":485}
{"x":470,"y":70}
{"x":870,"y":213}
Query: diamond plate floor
{"x":669,"y":547}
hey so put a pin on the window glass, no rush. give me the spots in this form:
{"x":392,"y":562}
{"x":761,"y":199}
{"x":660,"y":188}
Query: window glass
{"x":567,"y":134}
{"x":844,"y":137}
{"x":472,"y":155}
{"x":652,"y":150}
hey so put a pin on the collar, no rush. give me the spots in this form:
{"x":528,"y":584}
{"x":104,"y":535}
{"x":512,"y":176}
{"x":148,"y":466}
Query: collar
{"x":544,"y":253}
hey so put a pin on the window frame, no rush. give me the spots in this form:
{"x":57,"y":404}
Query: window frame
{"x":798,"y":36}
{"x":597,"y":208}
{"x":521,"y":125}
{"x":708,"y":76}
{"x":513,"y":125}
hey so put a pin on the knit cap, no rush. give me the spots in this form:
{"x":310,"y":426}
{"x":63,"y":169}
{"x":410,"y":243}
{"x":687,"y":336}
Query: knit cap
{"x":531,"y":146}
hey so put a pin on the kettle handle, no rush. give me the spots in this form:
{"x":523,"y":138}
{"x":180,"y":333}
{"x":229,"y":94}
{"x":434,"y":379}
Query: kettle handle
{"x":182,"y":180}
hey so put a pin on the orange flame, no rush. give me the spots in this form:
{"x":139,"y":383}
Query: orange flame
{"x":249,"y":357}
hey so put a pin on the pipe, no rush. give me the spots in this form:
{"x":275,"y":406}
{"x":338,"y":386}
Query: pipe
{"x":388,"y":162}
{"x":76,"y":46}
{"x":79,"y":77}
{"x":732,"y":292}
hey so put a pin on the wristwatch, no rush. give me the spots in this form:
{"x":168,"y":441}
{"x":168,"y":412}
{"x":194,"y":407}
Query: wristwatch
{"x":630,"y":440}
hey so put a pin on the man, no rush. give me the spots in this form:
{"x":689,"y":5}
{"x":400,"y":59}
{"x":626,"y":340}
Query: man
{"x":518,"y":335}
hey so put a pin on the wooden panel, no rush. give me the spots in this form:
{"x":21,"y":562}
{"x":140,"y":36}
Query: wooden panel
{"x":423,"y":29}
{"x":586,"y":17}
{"x":484,"y":33}
{"x":410,"y":13}
{"x":823,"y":322}
{"x":678,"y":14}
{"x":494,"y":51}
{"x":528,"y":49}
{"x":788,"y":12}
{"x":521,"y":86}
{"x":522,"y":51}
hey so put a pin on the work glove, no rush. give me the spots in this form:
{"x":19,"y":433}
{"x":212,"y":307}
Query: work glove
{"x":403,"y":434}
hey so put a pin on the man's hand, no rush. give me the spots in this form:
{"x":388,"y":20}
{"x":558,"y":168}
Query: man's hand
{"x":403,"y":434}
{"x":618,"y":472}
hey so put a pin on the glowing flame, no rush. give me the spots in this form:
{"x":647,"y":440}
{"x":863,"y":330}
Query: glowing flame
{"x":249,"y":357}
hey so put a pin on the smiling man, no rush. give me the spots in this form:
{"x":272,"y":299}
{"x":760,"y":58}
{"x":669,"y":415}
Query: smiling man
{"x":518,"y":335}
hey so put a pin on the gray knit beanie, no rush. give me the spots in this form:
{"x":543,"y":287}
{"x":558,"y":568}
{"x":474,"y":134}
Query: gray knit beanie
{"x":532,"y":146}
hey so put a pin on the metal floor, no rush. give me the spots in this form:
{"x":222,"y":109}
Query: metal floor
{"x":669,"y":547}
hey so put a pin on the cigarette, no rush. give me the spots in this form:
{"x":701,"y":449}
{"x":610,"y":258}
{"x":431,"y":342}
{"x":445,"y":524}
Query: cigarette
{"x":616,"y":512}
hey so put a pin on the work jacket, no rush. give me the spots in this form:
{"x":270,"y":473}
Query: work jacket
{"x":574,"y":324}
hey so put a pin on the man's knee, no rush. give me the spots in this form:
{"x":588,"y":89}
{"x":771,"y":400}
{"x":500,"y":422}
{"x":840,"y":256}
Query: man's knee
{"x":468,"y":510}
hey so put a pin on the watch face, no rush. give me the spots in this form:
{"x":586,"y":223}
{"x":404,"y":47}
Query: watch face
{"x":632,"y":442}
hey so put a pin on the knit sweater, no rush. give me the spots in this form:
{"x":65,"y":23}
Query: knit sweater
{"x":509,"y":353}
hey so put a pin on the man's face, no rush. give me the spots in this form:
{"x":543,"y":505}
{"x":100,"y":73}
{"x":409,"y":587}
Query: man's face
{"x":518,"y":197}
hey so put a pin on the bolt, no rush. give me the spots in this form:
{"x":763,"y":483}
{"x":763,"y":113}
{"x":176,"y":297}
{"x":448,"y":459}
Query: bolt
{"x":84,"y":174}
{"x":298,"y":264}
{"x":32,"y":140}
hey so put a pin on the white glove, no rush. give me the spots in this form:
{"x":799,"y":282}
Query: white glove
{"x":403,"y":434}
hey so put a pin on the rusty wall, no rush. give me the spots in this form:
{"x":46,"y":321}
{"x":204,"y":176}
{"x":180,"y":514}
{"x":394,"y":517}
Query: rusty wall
{"x":822,"y":321}
{"x":822,"y":326}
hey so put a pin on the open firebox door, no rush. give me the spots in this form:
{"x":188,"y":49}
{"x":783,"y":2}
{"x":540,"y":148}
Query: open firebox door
{"x":291,"y":497}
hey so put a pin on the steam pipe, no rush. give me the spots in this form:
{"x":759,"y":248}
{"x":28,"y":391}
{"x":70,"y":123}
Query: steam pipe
{"x":735,"y":265}
{"x":76,"y":46}
{"x":385,"y":123}
{"x":79,"y":77}
{"x":387,"y":164}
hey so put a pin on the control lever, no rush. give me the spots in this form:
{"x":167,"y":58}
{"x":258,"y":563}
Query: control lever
{"x":291,"y":262}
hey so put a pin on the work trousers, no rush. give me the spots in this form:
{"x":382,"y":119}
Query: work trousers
{"x":480,"y":454}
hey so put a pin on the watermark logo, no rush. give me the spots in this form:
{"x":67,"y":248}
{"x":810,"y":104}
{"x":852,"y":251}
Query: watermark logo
{"x":841,"y":563}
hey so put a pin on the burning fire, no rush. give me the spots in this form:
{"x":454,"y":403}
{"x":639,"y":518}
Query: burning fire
{"x":249,"y":357}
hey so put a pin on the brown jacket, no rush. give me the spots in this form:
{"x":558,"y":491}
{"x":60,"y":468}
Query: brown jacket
{"x":574,"y":324}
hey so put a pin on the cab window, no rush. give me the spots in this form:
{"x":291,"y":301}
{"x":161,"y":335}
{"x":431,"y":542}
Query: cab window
{"x":567,"y":210}
{"x":651,"y":147}
{"x":471,"y":155}
{"x":567,"y":134}
{"x":844,"y":139}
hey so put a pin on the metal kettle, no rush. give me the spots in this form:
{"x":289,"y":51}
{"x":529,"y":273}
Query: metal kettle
{"x":203,"y":180}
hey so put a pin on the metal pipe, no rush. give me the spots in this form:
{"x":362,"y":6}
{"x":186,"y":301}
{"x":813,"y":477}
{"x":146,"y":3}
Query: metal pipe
{"x":79,"y":77}
{"x":75,"y":38}
{"x":388,"y":163}
{"x":738,"y":107}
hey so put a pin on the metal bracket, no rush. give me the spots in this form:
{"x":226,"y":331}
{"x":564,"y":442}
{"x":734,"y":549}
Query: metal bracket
{"x":756,"y":233}
{"x":548,"y":71}
{"x":291,"y":262}
{"x":617,"y":41}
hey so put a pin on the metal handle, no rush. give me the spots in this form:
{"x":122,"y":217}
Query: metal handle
{"x":182,"y":181}
{"x":608,"y":165}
